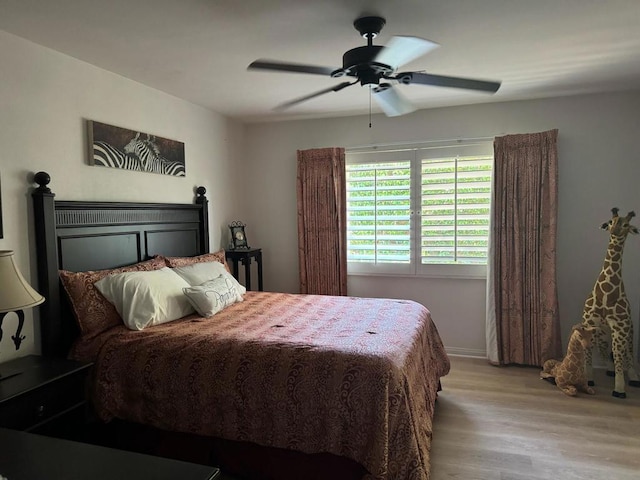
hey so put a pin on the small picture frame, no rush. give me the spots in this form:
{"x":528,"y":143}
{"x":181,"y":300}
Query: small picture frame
{"x":238,"y":235}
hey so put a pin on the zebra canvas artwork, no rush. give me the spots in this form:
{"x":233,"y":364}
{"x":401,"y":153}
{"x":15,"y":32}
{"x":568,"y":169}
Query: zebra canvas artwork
{"x":116,"y":147}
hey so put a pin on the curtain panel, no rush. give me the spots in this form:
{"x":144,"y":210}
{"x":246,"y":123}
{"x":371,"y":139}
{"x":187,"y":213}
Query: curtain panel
{"x":322,"y":214}
{"x":522,"y":303}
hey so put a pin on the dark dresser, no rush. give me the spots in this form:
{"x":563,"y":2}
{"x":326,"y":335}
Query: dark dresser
{"x":27,"y":456}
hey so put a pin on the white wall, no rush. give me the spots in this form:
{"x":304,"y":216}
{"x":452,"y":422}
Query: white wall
{"x":599,"y":155}
{"x":45,"y":98}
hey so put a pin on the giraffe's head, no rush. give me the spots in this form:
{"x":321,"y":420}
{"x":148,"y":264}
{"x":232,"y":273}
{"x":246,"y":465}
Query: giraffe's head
{"x":584,"y":335}
{"x":620,"y":226}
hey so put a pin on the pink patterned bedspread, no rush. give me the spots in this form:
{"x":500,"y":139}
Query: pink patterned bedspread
{"x":355,"y":377}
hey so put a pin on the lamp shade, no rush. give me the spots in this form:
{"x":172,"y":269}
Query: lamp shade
{"x":15,"y":292}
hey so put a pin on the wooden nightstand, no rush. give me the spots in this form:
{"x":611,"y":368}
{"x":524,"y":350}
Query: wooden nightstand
{"x":47,"y":397}
{"x":244,"y":256}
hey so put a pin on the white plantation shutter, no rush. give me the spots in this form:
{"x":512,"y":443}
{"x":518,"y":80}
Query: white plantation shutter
{"x":379,"y":207}
{"x":455,"y":206}
{"x":419,"y":210}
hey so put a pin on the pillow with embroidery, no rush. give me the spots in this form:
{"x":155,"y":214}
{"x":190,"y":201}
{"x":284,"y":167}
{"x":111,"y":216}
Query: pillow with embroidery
{"x":199,"y":273}
{"x":212,"y":296}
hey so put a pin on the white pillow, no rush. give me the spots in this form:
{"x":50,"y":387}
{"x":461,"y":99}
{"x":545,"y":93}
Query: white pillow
{"x":199,"y":273}
{"x":144,"y":299}
{"x":213,"y":295}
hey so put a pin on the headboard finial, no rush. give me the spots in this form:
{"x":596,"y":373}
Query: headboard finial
{"x":201,"y":200}
{"x":42,"y":179}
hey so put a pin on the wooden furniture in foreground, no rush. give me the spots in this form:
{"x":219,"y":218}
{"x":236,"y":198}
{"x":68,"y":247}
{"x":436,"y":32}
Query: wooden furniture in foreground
{"x":244,"y":256}
{"x":48,"y":396}
{"x":26,"y":456}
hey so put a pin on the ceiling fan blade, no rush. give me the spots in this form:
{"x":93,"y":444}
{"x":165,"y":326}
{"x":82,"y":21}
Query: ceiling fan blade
{"x":408,"y":78}
{"x":401,"y":50}
{"x":289,"y":67}
{"x":335,"y":88}
{"x":392,"y":103}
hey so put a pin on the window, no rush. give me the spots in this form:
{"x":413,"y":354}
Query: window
{"x":431,"y":204}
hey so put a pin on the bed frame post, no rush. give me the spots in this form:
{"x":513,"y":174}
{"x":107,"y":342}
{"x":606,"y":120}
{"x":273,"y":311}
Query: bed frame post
{"x":201,"y":200}
{"x":47,"y":255}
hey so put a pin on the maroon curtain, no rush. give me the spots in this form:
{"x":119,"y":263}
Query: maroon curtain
{"x":322,"y":213}
{"x":523,"y":237}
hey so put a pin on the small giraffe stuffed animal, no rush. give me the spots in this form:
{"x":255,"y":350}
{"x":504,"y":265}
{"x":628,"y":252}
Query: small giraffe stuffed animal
{"x":569,"y":374}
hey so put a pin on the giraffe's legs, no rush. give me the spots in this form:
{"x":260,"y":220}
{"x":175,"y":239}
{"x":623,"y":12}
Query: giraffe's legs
{"x":634,"y":381}
{"x":601,"y":340}
{"x":606,"y":353}
{"x":589,"y":320}
{"x":620,"y":361}
{"x":588,"y":366}
{"x":618,"y":389}
{"x":566,"y":388}
{"x":569,"y":390}
{"x":584,"y":387}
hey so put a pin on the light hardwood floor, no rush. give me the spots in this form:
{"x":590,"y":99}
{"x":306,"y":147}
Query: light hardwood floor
{"x":505,"y":423}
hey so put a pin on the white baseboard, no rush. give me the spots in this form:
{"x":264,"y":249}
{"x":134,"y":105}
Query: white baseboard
{"x":466,"y":352}
{"x":470,"y":352}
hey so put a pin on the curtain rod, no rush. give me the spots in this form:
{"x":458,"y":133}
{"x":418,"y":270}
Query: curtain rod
{"x":425,"y":142}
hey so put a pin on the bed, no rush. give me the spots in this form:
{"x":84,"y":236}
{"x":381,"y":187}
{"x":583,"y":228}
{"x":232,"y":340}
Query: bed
{"x":316,"y":382}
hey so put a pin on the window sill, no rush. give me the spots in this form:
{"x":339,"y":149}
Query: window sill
{"x":457,"y":276}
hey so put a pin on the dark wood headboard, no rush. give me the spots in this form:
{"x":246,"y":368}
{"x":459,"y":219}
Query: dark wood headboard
{"x":80,"y":236}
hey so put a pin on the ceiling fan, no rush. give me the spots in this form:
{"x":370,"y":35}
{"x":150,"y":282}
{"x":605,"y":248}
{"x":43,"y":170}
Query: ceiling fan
{"x":376,"y":65}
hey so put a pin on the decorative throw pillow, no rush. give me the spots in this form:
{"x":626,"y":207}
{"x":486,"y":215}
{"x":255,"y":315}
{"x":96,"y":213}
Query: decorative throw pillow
{"x":199,"y":273}
{"x":213,"y":295}
{"x":218,"y":256}
{"x":93,"y":312}
{"x":144,"y":299}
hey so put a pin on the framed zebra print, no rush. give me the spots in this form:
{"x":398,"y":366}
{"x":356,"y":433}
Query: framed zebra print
{"x":117,"y":147}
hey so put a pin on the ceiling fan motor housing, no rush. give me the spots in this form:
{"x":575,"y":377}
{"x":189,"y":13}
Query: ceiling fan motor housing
{"x":359,"y":62}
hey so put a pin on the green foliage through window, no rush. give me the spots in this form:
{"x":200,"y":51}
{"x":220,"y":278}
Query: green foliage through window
{"x":452,"y":204}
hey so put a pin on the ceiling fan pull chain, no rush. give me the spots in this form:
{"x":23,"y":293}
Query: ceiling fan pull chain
{"x":369,"y":106}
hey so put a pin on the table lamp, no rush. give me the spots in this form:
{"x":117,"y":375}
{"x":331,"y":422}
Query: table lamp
{"x":15,"y":295}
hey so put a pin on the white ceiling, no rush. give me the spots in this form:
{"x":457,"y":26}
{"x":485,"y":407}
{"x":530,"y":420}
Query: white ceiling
{"x":199,"y":50}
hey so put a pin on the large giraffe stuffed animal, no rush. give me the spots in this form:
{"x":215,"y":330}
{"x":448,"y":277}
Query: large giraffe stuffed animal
{"x":569,"y":374}
{"x":607,"y":308}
